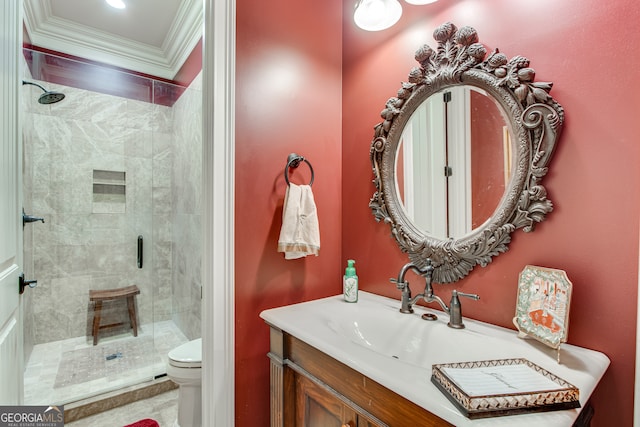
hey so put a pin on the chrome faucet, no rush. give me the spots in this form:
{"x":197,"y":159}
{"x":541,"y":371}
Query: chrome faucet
{"x":454,"y":310}
{"x":403,"y":285}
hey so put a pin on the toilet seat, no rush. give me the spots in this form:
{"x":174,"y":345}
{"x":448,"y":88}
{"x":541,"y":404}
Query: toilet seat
{"x":187,"y":355}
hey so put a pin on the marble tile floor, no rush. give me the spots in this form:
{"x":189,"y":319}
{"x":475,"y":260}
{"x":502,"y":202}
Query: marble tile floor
{"x":42,"y":377}
{"x":162,"y":408}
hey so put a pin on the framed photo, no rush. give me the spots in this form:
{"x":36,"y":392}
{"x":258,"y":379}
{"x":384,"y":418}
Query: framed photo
{"x":542,"y":307}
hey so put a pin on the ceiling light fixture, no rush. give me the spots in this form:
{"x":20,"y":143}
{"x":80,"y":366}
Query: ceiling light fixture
{"x":420,"y":1}
{"x":118,"y":4}
{"x":377,"y":15}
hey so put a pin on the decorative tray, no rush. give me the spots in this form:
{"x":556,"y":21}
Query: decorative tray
{"x":493,"y":388}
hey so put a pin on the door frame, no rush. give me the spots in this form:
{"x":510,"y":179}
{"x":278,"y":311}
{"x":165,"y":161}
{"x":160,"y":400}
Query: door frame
{"x":218,"y":370}
{"x":218,"y":111}
{"x":11,"y":324}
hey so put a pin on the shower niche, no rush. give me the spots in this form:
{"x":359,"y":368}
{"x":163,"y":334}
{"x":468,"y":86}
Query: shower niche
{"x":109,"y":191}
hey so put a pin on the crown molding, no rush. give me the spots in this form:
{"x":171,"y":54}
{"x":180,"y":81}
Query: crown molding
{"x":184,"y":34}
{"x":58,"y":34}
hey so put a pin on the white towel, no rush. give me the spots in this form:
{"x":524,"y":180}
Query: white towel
{"x":300,"y":233}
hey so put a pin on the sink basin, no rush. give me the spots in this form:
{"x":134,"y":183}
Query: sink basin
{"x":404,"y":337}
{"x":390,"y":333}
{"x":398,"y":350}
{"x":384,"y":330}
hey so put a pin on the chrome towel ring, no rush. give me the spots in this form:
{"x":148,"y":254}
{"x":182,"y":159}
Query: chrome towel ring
{"x":293,"y":161}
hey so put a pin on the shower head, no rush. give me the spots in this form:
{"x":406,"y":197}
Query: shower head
{"x":47,"y":97}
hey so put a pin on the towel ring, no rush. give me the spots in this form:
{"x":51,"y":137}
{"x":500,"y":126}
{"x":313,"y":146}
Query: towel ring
{"x":293,"y":161}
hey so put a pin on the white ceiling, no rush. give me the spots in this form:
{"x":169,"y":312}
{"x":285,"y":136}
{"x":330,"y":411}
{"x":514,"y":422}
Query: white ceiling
{"x":149,"y":36}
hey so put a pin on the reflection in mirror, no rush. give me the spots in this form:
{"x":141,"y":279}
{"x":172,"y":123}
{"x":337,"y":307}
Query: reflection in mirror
{"x":479,"y":159}
{"x":453,"y":161}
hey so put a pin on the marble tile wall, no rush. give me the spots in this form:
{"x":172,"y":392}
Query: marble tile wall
{"x":77,"y":249}
{"x":186,"y":218}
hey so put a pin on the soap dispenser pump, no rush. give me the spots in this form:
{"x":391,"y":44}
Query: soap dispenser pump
{"x":350,"y":283}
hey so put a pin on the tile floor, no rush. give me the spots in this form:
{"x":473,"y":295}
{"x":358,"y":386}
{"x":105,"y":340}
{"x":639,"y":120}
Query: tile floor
{"x":162,"y":408}
{"x":61,"y":372}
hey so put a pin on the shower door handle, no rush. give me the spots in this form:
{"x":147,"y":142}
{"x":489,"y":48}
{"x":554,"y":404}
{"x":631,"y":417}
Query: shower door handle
{"x":140,"y":251}
{"x":24,"y":283}
{"x":29,"y":218}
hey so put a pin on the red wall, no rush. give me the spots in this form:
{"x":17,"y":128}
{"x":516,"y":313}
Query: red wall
{"x":288,"y":99}
{"x":588,"y":48}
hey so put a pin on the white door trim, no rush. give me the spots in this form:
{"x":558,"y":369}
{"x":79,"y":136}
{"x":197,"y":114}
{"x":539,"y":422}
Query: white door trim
{"x":11,"y":336}
{"x":218,"y":112}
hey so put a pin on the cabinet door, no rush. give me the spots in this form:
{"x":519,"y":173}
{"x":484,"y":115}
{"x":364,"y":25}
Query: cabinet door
{"x":317,"y":407}
{"x":365,"y":422}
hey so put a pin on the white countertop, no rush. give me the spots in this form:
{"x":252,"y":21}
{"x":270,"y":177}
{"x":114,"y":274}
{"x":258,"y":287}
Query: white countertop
{"x":368,"y":336}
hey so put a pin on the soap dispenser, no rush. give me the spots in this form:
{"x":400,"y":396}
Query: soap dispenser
{"x":350,"y":283}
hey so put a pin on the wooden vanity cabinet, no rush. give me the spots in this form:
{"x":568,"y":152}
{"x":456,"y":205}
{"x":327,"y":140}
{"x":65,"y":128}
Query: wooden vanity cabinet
{"x":318,"y":406}
{"x":311,"y":389}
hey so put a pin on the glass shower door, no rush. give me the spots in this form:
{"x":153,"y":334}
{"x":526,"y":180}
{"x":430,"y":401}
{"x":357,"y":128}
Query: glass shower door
{"x":88,"y":171}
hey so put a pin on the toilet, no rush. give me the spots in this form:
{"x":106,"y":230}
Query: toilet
{"x":185,"y":369}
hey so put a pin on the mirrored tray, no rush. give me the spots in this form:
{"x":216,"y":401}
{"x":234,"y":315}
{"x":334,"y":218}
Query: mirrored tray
{"x":493,"y":388}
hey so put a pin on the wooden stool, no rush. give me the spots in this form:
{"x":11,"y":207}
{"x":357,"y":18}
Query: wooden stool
{"x":128,"y":292}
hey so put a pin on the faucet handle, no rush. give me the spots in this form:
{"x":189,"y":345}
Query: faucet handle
{"x":399,"y":285}
{"x":462,"y":294}
{"x":455,"y":309}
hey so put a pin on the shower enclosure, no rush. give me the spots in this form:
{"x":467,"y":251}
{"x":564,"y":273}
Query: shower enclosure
{"x":114,"y":170}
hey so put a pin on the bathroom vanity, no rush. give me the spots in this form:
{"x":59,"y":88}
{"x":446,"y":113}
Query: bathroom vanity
{"x":367,"y":364}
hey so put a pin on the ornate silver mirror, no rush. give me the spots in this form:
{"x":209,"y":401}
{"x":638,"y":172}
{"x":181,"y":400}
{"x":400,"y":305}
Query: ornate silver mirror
{"x":459,"y":158}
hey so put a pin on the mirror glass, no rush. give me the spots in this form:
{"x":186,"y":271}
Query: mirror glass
{"x":459,"y":157}
{"x":453,"y":161}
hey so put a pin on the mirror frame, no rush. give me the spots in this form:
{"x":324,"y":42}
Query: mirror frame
{"x":535,"y":121}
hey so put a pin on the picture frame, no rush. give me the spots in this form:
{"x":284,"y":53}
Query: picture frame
{"x":543,"y":304}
